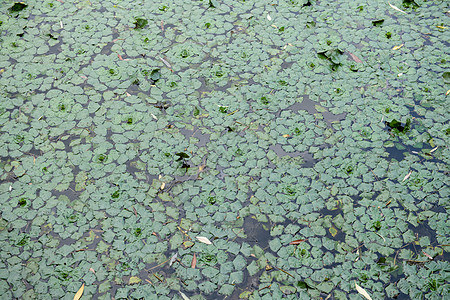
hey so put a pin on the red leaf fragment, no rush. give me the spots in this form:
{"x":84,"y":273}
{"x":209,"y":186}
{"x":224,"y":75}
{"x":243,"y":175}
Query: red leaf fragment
{"x":355,"y":58}
{"x":427,"y":255}
{"x":194,"y":261}
{"x":297,"y":242}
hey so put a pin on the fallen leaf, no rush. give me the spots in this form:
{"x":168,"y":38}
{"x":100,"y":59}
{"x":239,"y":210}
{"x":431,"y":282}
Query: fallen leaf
{"x":362,"y":292}
{"x":297,"y":242}
{"x":286,"y":135}
{"x":194,"y":261}
{"x":184,"y":296}
{"x":397,"y":47}
{"x":79,"y":293}
{"x":407,"y":176}
{"x":434,"y":149}
{"x":396,"y":8}
{"x":119,"y":56}
{"x":173,"y":259}
{"x":92,"y":270}
{"x":269,"y":18}
{"x":163,"y":185}
{"x":203,"y":240}
{"x":427,"y":255}
{"x":355,"y":58}
{"x":165,"y":62}
{"x":441,"y":27}
{"x":447,"y":93}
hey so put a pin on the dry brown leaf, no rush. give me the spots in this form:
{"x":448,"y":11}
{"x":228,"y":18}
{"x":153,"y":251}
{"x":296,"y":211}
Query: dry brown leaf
{"x":355,"y":58}
{"x":397,"y":47}
{"x":286,"y":135}
{"x":396,"y":8}
{"x":92,"y":270}
{"x":79,"y":293}
{"x":194,"y":261}
{"x":297,"y":242}
{"x":362,"y":292}
{"x":203,"y":240}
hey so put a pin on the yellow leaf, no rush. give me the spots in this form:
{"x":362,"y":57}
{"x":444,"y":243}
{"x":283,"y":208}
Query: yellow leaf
{"x":447,"y":93}
{"x":441,"y":27}
{"x":134,"y":280}
{"x":362,"y":292}
{"x":79,"y":293}
{"x":397,"y":47}
{"x":286,"y":135}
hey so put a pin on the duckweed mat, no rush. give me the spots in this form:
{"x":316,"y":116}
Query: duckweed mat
{"x":293,"y":149}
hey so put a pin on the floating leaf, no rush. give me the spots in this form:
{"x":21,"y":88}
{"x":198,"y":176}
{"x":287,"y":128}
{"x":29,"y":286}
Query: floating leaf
{"x":362,"y":292}
{"x":397,"y":47}
{"x":194,"y":261}
{"x":407,"y":175}
{"x":446,"y":77}
{"x":296,"y":242}
{"x":203,"y":240}
{"x":140,"y":23}
{"x":173,"y":259}
{"x":79,"y":293}
{"x":396,"y":8}
{"x":183,"y":296}
{"x":18,"y":6}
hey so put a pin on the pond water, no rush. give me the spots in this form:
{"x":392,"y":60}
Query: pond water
{"x":290,"y":149}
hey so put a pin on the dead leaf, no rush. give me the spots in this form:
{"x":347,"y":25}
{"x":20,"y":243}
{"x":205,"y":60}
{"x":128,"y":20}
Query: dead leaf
{"x":92,"y":270}
{"x":427,"y":255}
{"x":355,"y":58}
{"x":441,"y":27}
{"x":362,"y":292}
{"x":173,"y":259}
{"x":79,"y":293}
{"x":163,"y":185}
{"x":194,"y":261}
{"x":269,"y":18}
{"x":407,"y":175}
{"x":447,"y":93}
{"x":286,"y":135}
{"x":183,"y":296}
{"x":396,"y":8}
{"x":434,"y":149}
{"x":203,"y":240}
{"x":397,"y":47}
{"x":165,"y":62}
{"x":297,"y":242}
{"x":119,"y":56}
